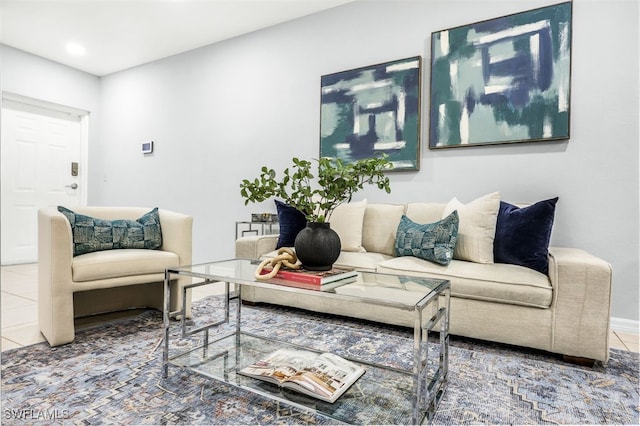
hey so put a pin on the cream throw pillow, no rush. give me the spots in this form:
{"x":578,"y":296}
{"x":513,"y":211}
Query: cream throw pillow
{"x":425,"y":212}
{"x":347,"y":220}
{"x":477,"y":227}
{"x":380,"y":226}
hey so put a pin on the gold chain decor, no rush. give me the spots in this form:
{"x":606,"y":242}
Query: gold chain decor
{"x":285,"y":257}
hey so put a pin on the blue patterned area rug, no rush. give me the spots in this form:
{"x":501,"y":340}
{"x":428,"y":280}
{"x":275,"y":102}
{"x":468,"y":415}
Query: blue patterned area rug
{"x":112,"y":375}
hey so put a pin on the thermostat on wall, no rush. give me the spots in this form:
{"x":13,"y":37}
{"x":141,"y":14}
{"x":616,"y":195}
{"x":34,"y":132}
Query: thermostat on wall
{"x":147,"y":147}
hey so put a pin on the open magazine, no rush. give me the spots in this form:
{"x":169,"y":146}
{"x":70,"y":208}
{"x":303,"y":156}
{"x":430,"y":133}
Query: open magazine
{"x":324,"y":376}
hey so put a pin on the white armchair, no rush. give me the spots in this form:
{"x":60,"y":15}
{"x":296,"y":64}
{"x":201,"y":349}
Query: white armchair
{"x":105,"y":281}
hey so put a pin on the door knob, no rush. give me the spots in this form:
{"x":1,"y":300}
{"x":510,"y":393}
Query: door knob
{"x":72,"y":186}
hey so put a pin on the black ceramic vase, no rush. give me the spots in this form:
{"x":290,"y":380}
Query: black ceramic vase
{"x":317,"y":246}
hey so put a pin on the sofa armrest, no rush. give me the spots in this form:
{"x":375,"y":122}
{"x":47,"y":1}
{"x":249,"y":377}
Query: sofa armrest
{"x":55,"y":247}
{"x":582,"y":303}
{"x":55,"y":289}
{"x":177,"y":237}
{"x":254,"y":246}
{"x":177,"y":229}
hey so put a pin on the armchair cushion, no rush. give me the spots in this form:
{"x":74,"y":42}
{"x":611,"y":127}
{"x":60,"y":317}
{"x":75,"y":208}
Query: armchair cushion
{"x":121,"y":263}
{"x":91,"y":234}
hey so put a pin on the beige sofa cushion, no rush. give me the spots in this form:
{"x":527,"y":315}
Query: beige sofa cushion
{"x":477,"y":228}
{"x":347,"y":220}
{"x":496,"y":282}
{"x":121,"y":263}
{"x":361,"y":261}
{"x":380,"y":226}
{"x":425,"y":212}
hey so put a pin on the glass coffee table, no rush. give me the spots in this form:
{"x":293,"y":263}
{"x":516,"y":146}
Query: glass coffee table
{"x":223,"y":347}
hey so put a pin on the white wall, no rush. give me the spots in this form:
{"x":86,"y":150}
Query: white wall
{"x":217,"y":114}
{"x":36,"y":77}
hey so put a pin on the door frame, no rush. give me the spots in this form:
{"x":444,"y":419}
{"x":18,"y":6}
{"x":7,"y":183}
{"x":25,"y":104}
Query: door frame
{"x":83,"y":115}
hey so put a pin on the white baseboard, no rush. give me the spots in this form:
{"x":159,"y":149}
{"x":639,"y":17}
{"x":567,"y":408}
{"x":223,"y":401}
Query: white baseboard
{"x":625,"y":326}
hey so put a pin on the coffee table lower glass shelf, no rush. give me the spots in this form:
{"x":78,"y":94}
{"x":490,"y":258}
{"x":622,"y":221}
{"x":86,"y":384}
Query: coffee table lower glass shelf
{"x":383,"y":395}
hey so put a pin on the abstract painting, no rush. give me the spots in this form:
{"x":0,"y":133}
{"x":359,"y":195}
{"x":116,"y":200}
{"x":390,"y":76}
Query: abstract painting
{"x":502,"y":80}
{"x":368,"y":111}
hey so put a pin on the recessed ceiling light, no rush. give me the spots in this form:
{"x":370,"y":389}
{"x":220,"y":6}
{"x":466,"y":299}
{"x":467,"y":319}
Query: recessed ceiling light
{"x":75,"y":49}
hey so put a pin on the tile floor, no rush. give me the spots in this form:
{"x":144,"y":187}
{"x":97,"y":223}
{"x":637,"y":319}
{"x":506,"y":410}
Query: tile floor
{"x":19,"y":319}
{"x":19,"y":311}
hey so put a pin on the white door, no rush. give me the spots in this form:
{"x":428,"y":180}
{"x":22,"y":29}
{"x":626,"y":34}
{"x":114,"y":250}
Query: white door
{"x":40,"y":150}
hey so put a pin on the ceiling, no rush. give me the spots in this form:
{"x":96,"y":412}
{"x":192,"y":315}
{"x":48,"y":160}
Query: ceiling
{"x":120,"y":34}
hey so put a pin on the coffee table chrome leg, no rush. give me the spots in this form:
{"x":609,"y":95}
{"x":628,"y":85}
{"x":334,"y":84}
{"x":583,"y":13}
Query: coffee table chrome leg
{"x":238,"y":310}
{"x":420,"y":355}
{"x":440,"y":378}
{"x":165,"y":323}
{"x":429,"y":388}
{"x":227,"y":308}
{"x":444,"y":337}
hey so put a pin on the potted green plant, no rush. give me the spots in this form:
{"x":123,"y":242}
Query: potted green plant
{"x":335,"y":183}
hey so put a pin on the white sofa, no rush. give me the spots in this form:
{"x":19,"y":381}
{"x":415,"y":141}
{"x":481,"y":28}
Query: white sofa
{"x":566,"y":311}
{"x":104,"y":281}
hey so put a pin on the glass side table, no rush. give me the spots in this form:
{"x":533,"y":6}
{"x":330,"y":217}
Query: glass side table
{"x":255,"y":228}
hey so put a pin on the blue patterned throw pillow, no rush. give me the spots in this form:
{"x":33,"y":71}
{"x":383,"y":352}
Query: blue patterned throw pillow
{"x":432,"y":241}
{"x":92,"y":234}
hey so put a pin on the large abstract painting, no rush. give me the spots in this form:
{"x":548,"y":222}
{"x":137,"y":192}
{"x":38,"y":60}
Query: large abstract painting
{"x":502,"y":80}
{"x":373,"y":110}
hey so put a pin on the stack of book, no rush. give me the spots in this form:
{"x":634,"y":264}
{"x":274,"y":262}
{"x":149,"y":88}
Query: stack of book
{"x":313,"y":280}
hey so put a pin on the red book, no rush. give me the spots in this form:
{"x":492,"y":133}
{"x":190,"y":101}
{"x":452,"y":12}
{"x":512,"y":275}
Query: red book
{"x":307,"y":286}
{"x":315,"y":278}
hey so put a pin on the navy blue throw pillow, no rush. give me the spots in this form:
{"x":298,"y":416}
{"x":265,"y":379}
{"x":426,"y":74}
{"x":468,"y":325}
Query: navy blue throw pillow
{"x":523,"y":234}
{"x":290,"y":222}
